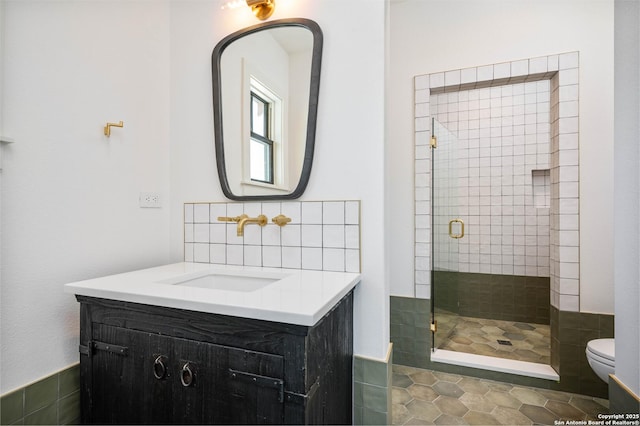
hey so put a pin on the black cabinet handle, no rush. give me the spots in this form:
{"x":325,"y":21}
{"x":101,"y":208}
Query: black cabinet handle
{"x":159,"y":367}
{"x":187,"y":375}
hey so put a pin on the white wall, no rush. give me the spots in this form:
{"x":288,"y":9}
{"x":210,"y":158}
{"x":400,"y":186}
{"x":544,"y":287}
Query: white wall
{"x":439,"y":35}
{"x":349,"y":158}
{"x":1,"y":130}
{"x":70,"y":194}
{"x":627,"y":192}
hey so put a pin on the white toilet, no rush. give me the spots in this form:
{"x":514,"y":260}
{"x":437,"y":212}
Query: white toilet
{"x":602,"y":357}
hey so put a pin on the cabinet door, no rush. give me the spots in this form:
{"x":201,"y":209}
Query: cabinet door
{"x":119,"y":376}
{"x":254,"y":389}
{"x":223,"y":385}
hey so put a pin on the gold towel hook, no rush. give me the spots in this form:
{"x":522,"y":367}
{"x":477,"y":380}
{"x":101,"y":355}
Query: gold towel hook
{"x":107,"y":128}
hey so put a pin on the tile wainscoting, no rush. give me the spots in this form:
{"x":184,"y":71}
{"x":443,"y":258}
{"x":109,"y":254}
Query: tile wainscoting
{"x":570,"y":332}
{"x":52,"y":400}
{"x":621,"y":398}
{"x":372,"y":390}
{"x":492,"y":296}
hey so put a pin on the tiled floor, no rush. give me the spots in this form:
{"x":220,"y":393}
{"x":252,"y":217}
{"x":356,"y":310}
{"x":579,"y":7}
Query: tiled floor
{"x":528,"y":342}
{"x":425,"y":397}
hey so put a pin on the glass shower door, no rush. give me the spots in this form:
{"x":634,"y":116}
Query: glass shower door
{"x":446,"y":230}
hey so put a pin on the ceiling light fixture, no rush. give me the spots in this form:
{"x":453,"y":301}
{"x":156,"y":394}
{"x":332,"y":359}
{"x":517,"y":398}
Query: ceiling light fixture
{"x":262,"y":9}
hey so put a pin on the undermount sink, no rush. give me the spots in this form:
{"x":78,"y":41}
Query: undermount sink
{"x":224,"y":281}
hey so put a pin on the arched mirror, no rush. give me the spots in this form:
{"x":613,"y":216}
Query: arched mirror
{"x":266,"y":80}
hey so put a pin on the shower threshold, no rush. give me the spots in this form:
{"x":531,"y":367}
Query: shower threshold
{"x":522,"y":368}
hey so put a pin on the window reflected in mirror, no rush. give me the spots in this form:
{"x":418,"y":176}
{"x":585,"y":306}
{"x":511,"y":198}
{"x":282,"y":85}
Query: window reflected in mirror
{"x":266,"y":133}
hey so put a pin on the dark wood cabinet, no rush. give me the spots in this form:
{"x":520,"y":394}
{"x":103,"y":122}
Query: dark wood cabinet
{"x":145,"y":364}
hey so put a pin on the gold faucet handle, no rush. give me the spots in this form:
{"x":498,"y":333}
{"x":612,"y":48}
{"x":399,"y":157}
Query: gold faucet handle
{"x":281,"y":220}
{"x":232,"y":219}
{"x":261,"y":220}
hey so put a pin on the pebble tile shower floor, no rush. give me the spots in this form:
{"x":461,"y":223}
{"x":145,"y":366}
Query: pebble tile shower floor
{"x":425,"y":397}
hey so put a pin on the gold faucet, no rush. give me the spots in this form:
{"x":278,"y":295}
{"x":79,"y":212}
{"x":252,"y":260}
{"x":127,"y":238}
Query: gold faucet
{"x":243,"y":219}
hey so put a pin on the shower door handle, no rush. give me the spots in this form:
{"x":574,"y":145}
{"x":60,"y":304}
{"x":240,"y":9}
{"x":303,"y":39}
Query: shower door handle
{"x":451,"y":234}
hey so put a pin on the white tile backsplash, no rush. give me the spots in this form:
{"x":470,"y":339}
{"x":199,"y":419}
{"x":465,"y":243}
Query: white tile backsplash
{"x":333,"y":212}
{"x":201,"y":233}
{"x":333,"y":259}
{"x":312,"y":213}
{"x":201,"y":213}
{"x":293,"y":211}
{"x":333,"y":236}
{"x":292,"y":257}
{"x":312,"y":236}
{"x":233,"y":209}
{"x":218,"y":253}
{"x":272,"y":256}
{"x":321,"y":235}
{"x":312,"y":258}
{"x":235,"y":255}
{"x":352,"y":260}
{"x":271,"y":235}
{"x":201,"y":252}
{"x":291,"y":235}
{"x":252,"y":255}
{"x":188,"y":213}
{"x":218,"y":233}
{"x":216,"y":210}
{"x":188,"y":232}
{"x":271,"y":210}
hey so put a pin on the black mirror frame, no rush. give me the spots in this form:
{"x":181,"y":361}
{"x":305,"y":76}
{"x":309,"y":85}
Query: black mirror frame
{"x":314,"y":90}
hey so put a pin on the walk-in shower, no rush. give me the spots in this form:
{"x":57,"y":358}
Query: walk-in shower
{"x":490,"y":192}
{"x":513,"y":181}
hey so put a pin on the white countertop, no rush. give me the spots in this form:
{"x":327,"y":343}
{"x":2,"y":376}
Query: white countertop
{"x":297,"y":297}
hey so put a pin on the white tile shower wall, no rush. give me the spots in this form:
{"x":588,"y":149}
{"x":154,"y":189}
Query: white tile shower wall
{"x":558,"y":101}
{"x":322,"y":235}
{"x":491,"y":143}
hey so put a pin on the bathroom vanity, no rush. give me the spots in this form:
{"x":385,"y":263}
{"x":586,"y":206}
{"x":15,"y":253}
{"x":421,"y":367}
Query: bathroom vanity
{"x":254,"y":352}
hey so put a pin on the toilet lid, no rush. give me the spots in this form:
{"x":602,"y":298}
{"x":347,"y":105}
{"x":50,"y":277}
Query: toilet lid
{"x":605,"y":348}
